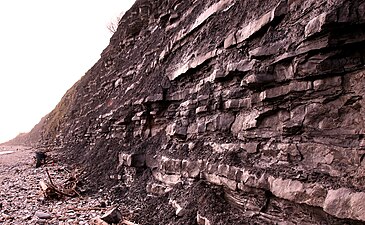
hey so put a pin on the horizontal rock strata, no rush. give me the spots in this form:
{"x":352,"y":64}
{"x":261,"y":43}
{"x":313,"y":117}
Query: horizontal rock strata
{"x":263,"y":98}
{"x":173,"y":171}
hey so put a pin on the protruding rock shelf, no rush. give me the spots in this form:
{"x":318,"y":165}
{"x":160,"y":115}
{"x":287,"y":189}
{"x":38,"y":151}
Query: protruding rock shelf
{"x":342,"y":202}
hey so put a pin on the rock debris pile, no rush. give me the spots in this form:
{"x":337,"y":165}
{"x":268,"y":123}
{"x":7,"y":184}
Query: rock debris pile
{"x":22,"y":200}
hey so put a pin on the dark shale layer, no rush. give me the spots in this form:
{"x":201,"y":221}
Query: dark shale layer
{"x":225,"y":112}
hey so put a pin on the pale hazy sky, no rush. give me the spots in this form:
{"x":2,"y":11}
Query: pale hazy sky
{"x":45,"y":47}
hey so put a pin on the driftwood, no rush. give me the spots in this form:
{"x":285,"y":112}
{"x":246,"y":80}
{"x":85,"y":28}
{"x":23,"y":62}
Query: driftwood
{"x":50,"y":190}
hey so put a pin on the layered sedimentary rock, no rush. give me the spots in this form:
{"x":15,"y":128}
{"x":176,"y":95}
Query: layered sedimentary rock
{"x":262,"y":99}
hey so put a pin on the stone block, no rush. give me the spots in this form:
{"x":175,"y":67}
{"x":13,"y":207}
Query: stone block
{"x":267,"y":50}
{"x":245,"y":103}
{"x":245,"y":65}
{"x":327,"y":83}
{"x":230,"y":40}
{"x":42,"y":215}
{"x":201,"y":125}
{"x":165,"y":178}
{"x":315,"y":195}
{"x":315,"y":25}
{"x":201,"y":109}
{"x":231,"y":104}
{"x":211,"y":123}
{"x":176,"y":129}
{"x":212,"y":178}
{"x":250,"y":147}
{"x":327,"y":63}
{"x":223,"y":170}
{"x":296,"y":191}
{"x":258,"y":181}
{"x":192,"y":128}
{"x":217,"y":74}
{"x":233,"y":171}
{"x":294,"y":86}
{"x":162,"y":163}
{"x":344,"y":203}
{"x":313,"y":44}
{"x":319,"y":155}
{"x":286,"y":189}
{"x":228,"y":147}
{"x":241,"y":66}
{"x":298,"y":86}
{"x":190,"y":169}
{"x":211,"y":167}
{"x":245,"y":121}
{"x":154,"y":98}
{"x":156,"y":189}
{"x":230,"y":184}
{"x":125,"y":159}
{"x":172,"y":166}
{"x":233,"y":92}
{"x":274,"y":92}
{"x":252,"y":180}
{"x":225,"y":121}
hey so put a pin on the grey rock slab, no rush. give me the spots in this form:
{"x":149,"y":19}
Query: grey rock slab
{"x":43,"y":215}
{"x":344,"y":203}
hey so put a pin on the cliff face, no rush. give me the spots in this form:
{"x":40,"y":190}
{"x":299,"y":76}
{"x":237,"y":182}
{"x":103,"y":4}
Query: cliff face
{"x":235,"y":111}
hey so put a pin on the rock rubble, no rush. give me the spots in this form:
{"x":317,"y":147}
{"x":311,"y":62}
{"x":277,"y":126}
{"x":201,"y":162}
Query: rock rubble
{"x":22,"y":201}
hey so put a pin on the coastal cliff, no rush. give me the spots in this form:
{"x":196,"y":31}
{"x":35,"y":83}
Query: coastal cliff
{"x":225,"y":112}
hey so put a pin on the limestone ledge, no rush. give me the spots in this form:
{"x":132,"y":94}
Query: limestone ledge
{"x":256,"y":25}
{"x":182,"y":34}
{"x":341,"y":202}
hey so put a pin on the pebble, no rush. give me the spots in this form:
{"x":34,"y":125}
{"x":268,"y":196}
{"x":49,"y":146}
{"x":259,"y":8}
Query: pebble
{"x":42,"y":215}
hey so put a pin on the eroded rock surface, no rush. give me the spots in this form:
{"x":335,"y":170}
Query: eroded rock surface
{"x":262,"y":101}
